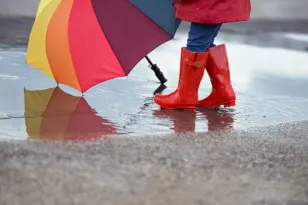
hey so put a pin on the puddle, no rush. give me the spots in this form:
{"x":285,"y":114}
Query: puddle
{"x":270,"y":85}
{"x":297,"y":36}
{"x":8,"y":77}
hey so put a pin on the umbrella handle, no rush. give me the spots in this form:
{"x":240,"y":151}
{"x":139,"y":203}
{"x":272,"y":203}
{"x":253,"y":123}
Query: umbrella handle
{"x":157,"y":71}
{"x":160,"y":89}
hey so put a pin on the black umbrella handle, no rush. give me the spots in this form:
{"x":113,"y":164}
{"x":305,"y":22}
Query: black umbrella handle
{"x":157,"y":71}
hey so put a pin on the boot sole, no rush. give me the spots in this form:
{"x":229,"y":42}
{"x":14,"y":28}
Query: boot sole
{"x":186,"y":107}
{"x":229,"y":104}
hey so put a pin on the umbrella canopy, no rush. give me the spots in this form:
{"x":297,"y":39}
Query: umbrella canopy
{"x":52,"y":114}
{"x":82,"y":43}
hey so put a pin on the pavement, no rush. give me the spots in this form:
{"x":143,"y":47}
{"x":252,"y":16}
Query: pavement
{"x":258,"y":166}
{"x":120,"y":148}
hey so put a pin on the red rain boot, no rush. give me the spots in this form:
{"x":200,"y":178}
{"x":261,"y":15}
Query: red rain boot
{"x":219,"y":73}
{"x":191,"y":72}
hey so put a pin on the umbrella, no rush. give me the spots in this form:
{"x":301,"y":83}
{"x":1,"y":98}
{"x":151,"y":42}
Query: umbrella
{"x":81,"y":43}
{"x":52,"y":114}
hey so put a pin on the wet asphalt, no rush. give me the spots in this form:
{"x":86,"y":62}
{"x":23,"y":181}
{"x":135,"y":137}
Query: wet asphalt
{"x":259,"y":166}
{"x":122,"y":149}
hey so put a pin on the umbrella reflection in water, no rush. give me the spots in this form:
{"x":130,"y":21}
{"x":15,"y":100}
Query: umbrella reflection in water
{"x":52,"y":114}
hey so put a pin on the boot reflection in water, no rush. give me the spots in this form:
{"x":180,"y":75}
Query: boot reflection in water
{"x":218,"y":120}
{"x":181,"y":122}
{"x":185,"y":121}
{"x":201,"y":53}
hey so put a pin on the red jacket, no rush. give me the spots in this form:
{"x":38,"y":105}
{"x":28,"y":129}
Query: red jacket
{"x":212,"y":11}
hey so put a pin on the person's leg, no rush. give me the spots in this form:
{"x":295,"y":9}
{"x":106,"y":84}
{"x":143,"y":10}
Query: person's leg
{"x":193,"y":63}
{"x":215,"y":35}
{"x":201,"y":36}
{"x":218,"y":70}
{"x":217,"y":67}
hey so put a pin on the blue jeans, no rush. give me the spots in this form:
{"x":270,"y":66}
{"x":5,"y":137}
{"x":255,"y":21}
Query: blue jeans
{"x":202,"y":36}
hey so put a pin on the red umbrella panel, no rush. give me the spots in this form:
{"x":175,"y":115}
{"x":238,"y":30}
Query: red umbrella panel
{"x":82,"y":43}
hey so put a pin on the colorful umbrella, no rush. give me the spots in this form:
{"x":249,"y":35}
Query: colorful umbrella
{"x":52,"y":114}
{"x":82,"y":43}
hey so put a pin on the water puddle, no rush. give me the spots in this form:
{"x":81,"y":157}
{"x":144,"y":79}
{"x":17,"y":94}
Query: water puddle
{"x":297,"y":36}
{"x":270,"y":86}
{"x":8,"y":77}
